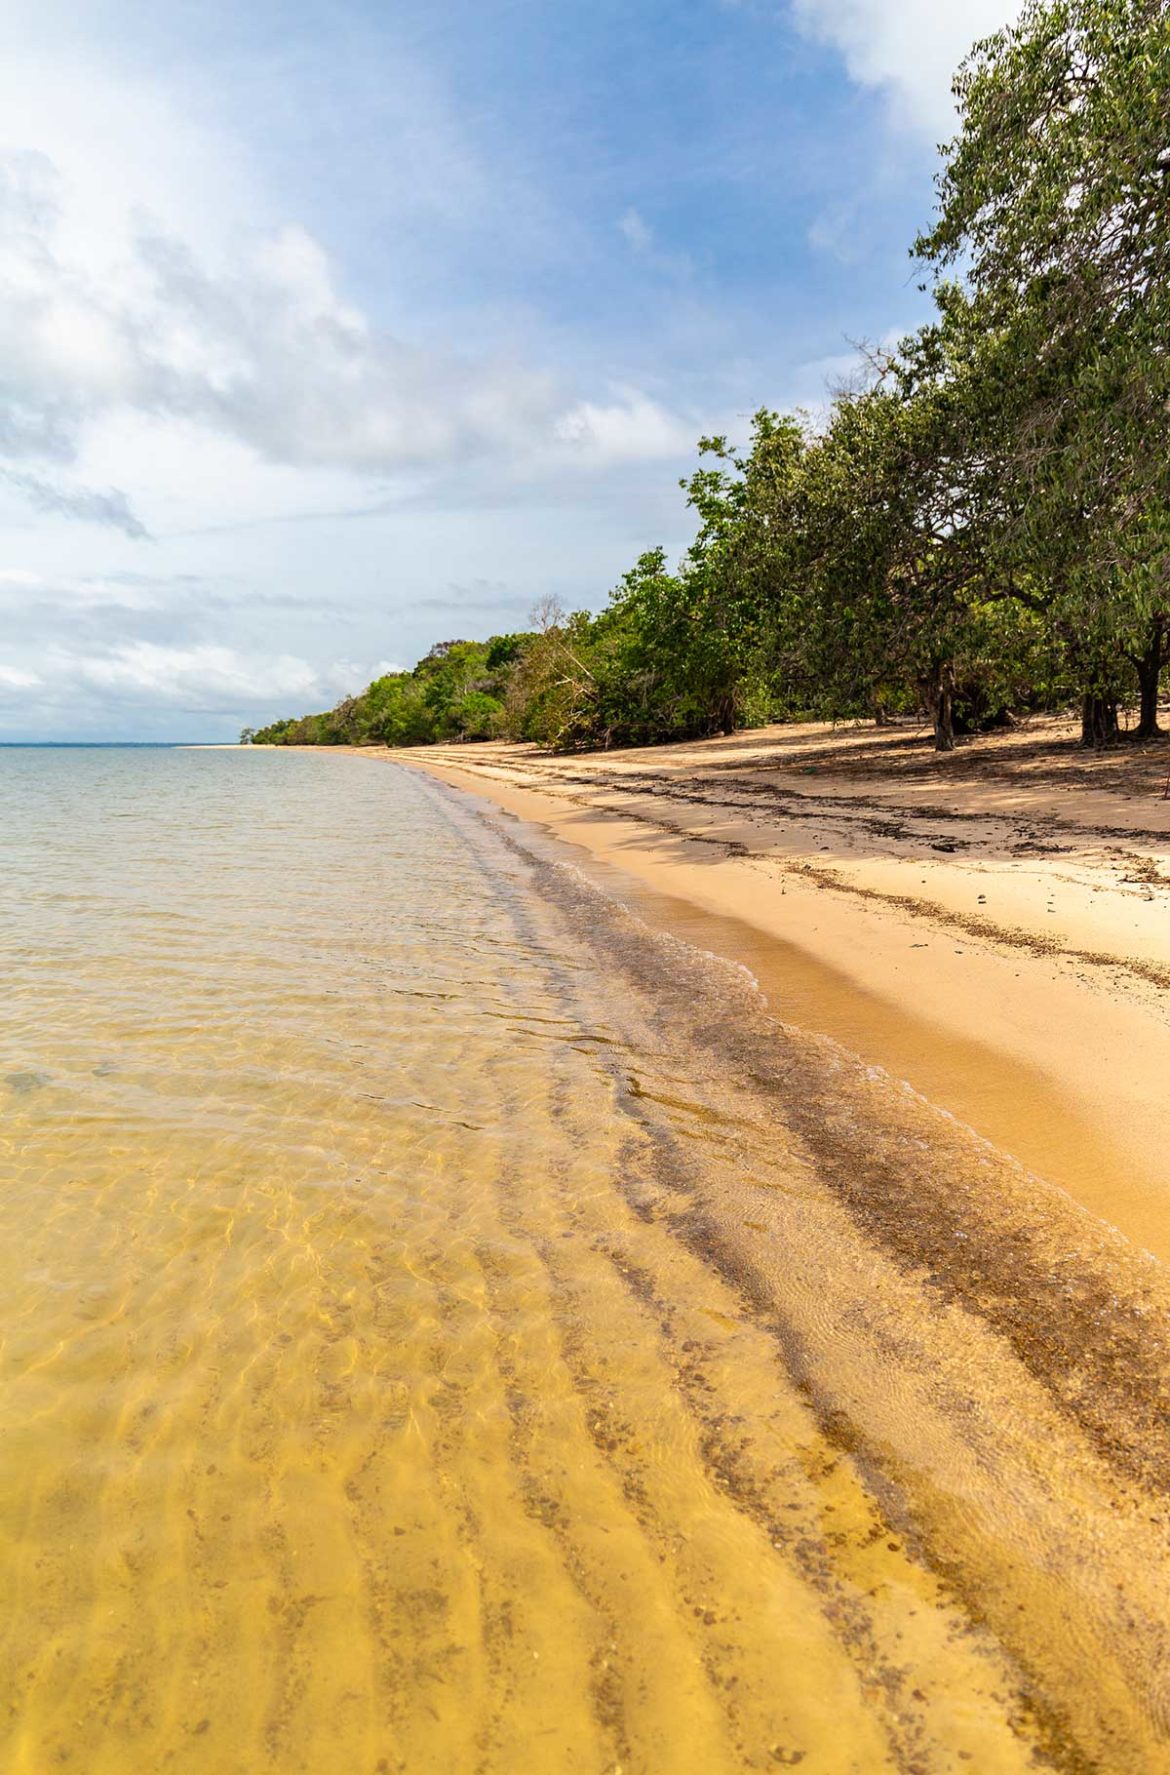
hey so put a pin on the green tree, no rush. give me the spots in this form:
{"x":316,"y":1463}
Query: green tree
{"x":1054,"y":205}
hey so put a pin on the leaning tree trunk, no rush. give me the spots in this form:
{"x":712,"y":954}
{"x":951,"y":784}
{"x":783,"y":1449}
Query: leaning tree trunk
{"x":1149,"y":670}
{"x":1098,"y":719}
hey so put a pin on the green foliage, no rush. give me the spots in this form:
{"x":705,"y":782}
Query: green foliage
{"x":982,"y":528}
{"x":456,"y":693}
{"x":1056,"y":198}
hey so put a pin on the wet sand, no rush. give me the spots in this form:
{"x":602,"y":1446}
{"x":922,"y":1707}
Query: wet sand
{"x":990,"y":927}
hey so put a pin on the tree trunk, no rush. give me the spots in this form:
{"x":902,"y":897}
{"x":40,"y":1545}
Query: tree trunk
{"x":939,"y":691}
{"x":944,"y":720}
{"x":881,"y":715}
{"x":1149,"y":671}
{"x":1098,"y":720}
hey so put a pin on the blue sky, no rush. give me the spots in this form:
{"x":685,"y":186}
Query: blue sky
{"x":327,"y":331}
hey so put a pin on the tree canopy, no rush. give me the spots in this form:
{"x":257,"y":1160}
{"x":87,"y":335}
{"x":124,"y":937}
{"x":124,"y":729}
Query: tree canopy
{"x":981,"y":527}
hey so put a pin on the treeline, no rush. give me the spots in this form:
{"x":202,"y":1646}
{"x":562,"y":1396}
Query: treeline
{"x":458,"y":692}
{"x":979,"y":528}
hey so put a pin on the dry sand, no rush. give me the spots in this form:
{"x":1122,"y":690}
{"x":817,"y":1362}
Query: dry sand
{"x":990,"y":927}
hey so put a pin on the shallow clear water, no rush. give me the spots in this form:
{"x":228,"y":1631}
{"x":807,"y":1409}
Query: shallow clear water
{"x":428,"y":1344}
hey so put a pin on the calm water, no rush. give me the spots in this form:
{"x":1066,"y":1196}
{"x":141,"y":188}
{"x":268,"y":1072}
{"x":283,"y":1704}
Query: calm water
{"x":429,"y":1346}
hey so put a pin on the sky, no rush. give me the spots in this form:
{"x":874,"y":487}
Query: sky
{"x":334,"y":328}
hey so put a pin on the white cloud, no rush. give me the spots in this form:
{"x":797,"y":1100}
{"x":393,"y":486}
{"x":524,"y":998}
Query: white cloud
{"x":909,"y":50}
{"x":632,"y":428}
{"x":24,"y":593}
{"x":255,"y":348}
{"x":196,"y":676}
{"x":119,"y":142}
{"x":643,"y":243}
{"x":102,"y":650}
{"x":262,"y":350}
{"x":636,"y":231}
{"x":200,"y":678}
{"x":179,"y":354}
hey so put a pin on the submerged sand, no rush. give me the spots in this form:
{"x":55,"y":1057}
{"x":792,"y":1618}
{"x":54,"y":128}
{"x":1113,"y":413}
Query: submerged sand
{"x":771,"y":1386}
